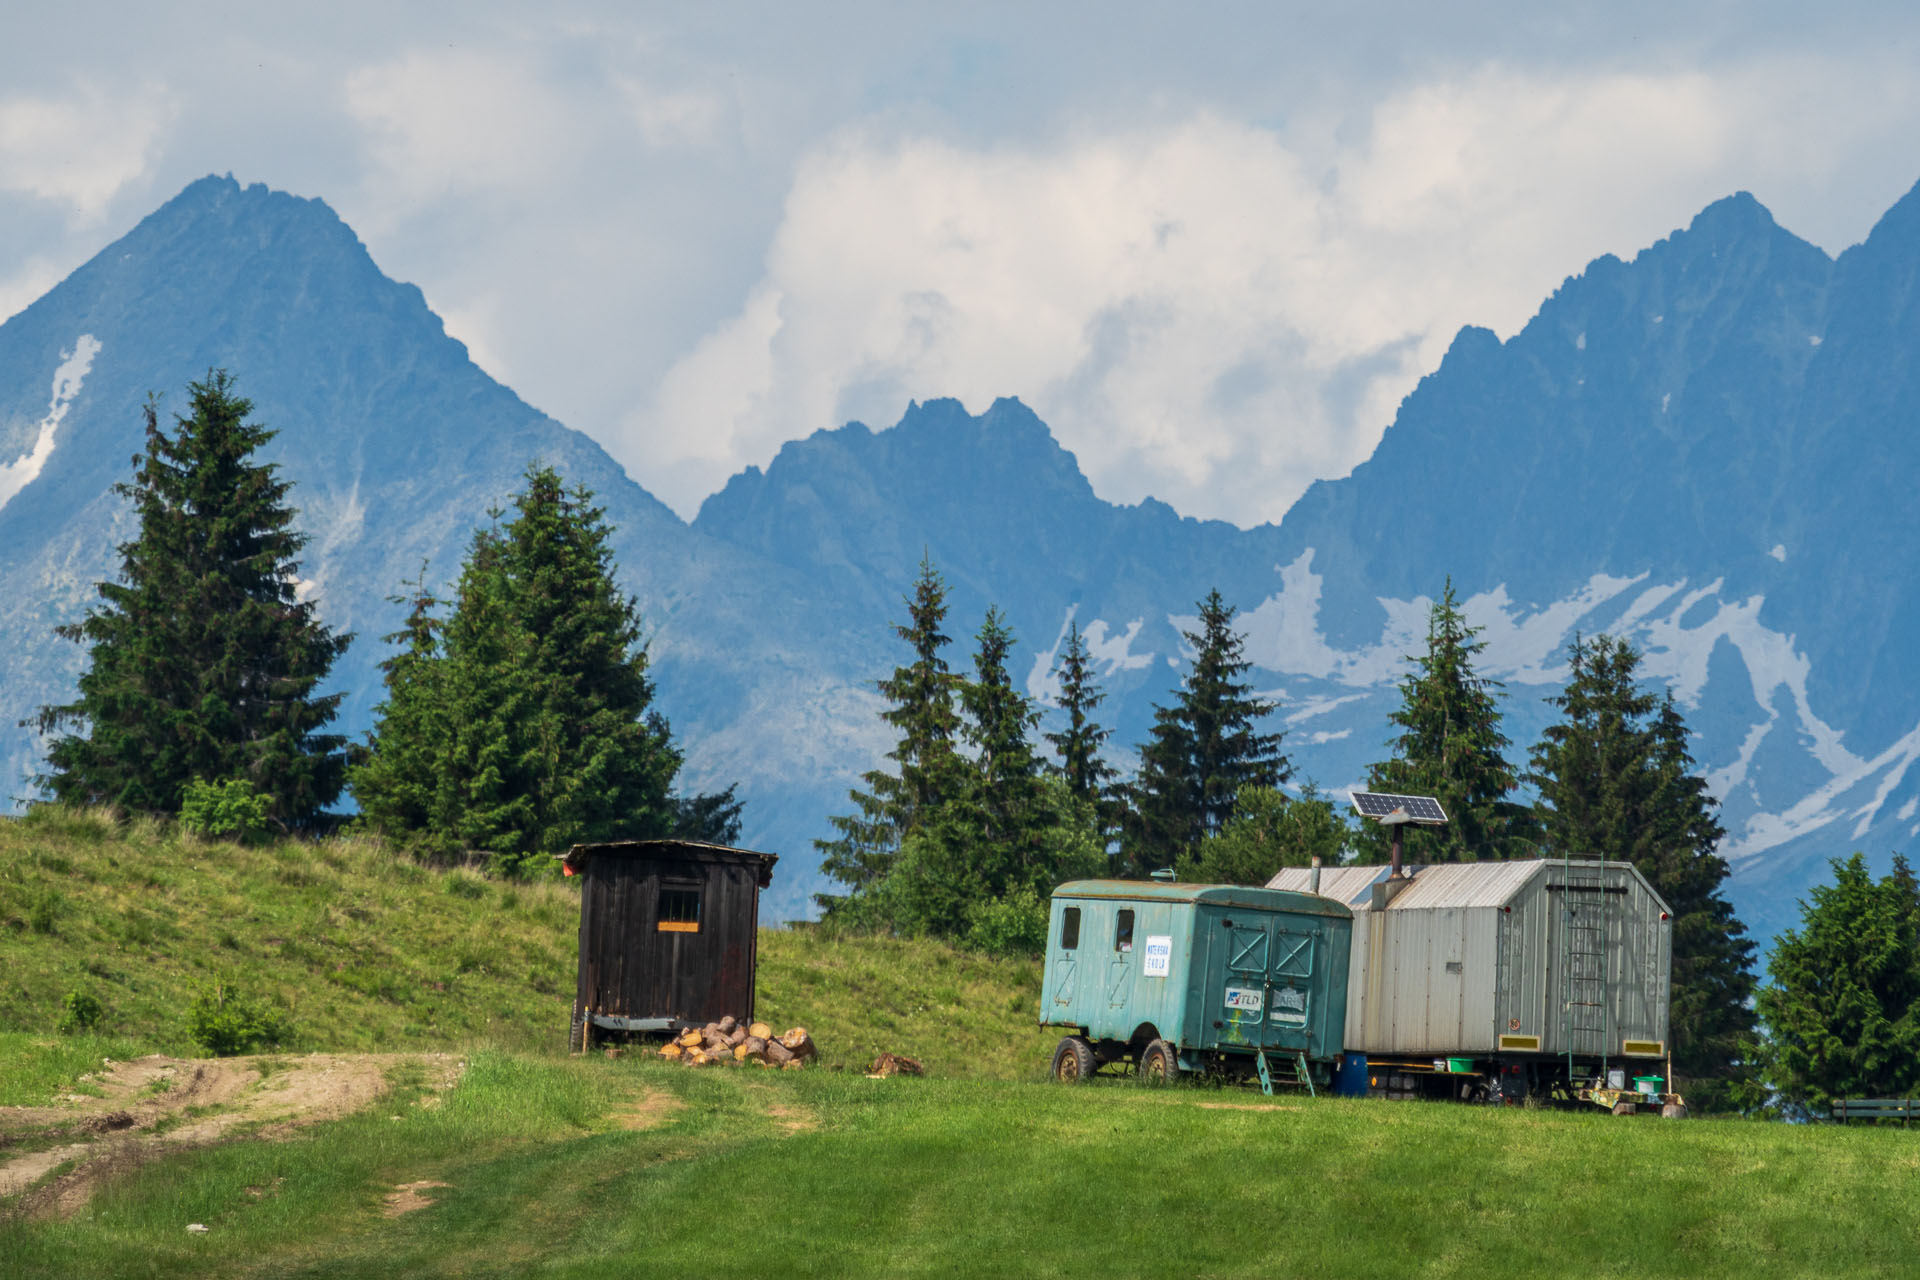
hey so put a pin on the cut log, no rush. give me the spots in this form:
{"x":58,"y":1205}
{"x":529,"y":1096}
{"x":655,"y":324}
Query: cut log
{"x":761,"y":1030}
{"x":778,"y":1054}
{"x":799,"y":1041}
{"x":793,"y":1065}
{"x":672,"y":1049}
{"x":727,"y":1024}
{"x":754,"y":1047}
{"x":711,"y":1030}
{"x":892,"y":1064}
{"x":737,"y":1037}
{"x":690,"y":1039}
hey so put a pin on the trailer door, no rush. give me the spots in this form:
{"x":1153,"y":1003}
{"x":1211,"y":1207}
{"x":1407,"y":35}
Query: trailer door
{"x":1290,"y":988}
{"x":1242,"y":994}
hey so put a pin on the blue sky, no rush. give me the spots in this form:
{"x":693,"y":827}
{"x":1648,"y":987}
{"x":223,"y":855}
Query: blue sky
{"x":1212,"y":247}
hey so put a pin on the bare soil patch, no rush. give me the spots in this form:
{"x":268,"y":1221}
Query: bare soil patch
{"x":649,"y":1111}
{"x":406,"y":1197}
{"x":157,"y":1104}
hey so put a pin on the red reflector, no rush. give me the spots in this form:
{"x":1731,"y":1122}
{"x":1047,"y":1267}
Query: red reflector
{"x":1665,"y":916}
{"x":565,"y":870}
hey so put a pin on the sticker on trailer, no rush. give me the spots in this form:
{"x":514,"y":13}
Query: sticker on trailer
{"x":1159,"y":962}
{"x":1289,"y":1007}
{"x":1244,"y":998}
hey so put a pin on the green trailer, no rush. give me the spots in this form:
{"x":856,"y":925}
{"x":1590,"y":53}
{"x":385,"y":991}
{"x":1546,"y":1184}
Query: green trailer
{"x":1178,"y":978}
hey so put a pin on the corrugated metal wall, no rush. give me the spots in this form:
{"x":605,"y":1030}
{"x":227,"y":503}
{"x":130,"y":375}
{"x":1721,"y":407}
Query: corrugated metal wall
{"x":1470,"y":952}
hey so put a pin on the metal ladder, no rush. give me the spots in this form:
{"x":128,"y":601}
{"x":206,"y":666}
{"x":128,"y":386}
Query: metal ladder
{"x":1269,"y":1078}
{"x":1585,"y":925}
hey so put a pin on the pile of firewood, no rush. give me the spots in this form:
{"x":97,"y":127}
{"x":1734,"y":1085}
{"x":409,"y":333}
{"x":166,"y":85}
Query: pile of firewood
{"x":731,"y":1042}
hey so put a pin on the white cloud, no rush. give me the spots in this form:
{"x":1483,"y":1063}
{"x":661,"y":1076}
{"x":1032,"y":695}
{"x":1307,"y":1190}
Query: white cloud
{"x":33,"y":279}
{"x":81,"y":149}
{"x":1205,"y":310}
{"x":453,"y":122}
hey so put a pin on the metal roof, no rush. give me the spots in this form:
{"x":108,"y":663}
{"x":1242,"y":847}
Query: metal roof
{"x":1440,"y":884}
{"x":1271,"y":898}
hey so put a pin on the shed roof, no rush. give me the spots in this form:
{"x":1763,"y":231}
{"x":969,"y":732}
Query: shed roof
{"x":1271,"y":898}
{"x":679,"y":850}
{"x":1440,"y":884}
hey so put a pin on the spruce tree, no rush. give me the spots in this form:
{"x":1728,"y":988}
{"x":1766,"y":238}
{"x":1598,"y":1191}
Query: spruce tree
{"x":1078,"y":745}
{"x":1001,"y":827}
{"x":399,"y":787}
{"x":1711,"y":1019}
{"x":919,"y":699}
{"x":1202,"y":750}
{"x":1616,"y":781}
{"x":1843,"y":1006}
{"x":524,"y":723}
{"x":1451,"y":747}
{"x":203,"y":660}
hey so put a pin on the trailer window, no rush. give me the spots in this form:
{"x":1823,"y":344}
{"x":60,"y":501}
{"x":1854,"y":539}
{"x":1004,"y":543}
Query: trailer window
{"x":1123,"y":932}
{"x":1070,"y":929}
{"x":679,"y":911}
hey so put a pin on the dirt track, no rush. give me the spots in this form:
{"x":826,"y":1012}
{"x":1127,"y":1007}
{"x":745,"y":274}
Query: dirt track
{"x":142,"y":1112}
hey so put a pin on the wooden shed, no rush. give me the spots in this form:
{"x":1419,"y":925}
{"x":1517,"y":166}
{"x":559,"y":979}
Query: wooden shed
{"x":668,"y":933}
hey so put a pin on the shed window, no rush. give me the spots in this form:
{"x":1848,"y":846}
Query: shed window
{"x":1070,"y":929}
{"x":1123,"y":932}
{"x":679,"y":910}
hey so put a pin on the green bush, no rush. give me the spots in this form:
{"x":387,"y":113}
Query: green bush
{"x":228,"y":810}
{"x":225,"y":1023}
{"x":1015,"y":925}
{"x":81,"y":1011}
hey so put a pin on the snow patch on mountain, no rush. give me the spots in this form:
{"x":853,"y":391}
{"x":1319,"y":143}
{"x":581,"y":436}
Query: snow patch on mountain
{"x":1111,"y":653}
{"x":1828,"y":804}
{"x":73,"y":370}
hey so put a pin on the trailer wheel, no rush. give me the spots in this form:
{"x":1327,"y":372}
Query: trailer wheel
{"x":1159,"y":1064}
{"x":1073,"y":1061}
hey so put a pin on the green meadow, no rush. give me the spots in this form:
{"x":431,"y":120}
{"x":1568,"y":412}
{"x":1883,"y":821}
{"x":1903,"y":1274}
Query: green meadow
{"x":540,"y":1164}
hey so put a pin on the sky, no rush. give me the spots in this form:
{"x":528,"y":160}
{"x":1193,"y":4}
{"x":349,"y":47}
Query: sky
{"x":1212,"y":246}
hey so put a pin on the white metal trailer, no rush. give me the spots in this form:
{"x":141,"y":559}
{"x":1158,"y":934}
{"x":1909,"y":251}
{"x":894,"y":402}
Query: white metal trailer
{"x":1504,"y":962}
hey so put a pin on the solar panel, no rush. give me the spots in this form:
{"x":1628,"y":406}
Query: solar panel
{"x":1423,"y":810}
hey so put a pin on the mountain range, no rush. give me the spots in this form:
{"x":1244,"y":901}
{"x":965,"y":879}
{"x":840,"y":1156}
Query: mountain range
{"x":1709,"y":448}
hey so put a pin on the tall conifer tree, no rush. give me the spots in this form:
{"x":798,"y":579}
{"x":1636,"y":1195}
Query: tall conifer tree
{"x":1451,"y":747}
{"x":1078,"y":745}
{"x":524,"y":722}
{"x":1001,"y":826}
{"x":204,"y":659}
{"x":1616,"y":781}
{"x":920,"y":707}
{"x":1203,"y":750}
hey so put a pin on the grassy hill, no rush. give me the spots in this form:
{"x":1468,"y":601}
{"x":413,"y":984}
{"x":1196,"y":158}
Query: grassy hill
{"x":540,"y":1164}
{"x":364,"y":950}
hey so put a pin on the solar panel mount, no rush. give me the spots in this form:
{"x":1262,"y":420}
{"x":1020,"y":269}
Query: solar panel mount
{"x":1392,"y":810}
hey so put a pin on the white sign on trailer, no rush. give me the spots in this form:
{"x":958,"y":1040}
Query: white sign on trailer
{"x":1159,"y":960}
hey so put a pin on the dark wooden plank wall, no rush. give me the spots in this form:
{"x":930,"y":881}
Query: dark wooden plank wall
{"x":629,"y":968}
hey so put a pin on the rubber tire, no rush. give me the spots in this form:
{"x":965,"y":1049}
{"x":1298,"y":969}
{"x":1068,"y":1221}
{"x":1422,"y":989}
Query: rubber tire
{"x":1073,"y":1061}
{"x":1159,"y":1064}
